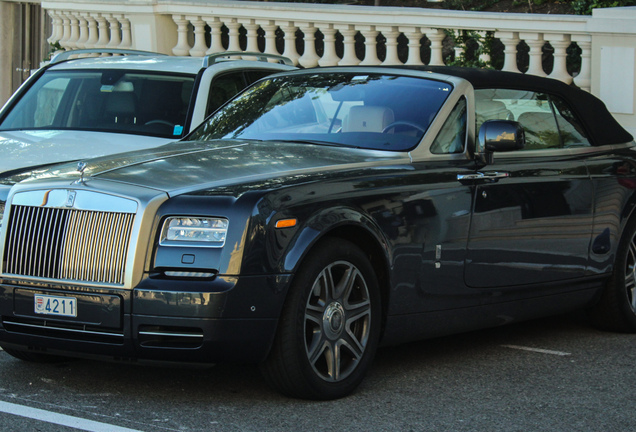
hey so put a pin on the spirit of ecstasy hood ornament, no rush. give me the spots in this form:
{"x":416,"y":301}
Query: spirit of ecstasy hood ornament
{"x":81,"y":166}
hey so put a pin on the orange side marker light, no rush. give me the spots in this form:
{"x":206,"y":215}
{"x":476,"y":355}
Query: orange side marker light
{"x":286,"y":223}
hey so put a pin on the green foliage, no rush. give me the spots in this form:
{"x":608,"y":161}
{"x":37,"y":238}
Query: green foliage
{"x":585,"y":7}
{"x":472,"y":45}
{"x":581,"y":7}
{"x":55,"y":46}
{"x":529,"y":2}
{"x":472,"y":5}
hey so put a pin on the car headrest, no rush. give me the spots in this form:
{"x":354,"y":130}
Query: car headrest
{"x":364,"y":118}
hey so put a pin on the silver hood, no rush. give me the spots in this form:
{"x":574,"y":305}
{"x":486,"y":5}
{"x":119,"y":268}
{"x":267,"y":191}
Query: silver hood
{"x":183,"y":167}
{"x":23,"y":149}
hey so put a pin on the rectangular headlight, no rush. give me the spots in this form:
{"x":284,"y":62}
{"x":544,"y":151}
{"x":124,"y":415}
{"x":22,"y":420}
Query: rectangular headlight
{"x":194,"y":231}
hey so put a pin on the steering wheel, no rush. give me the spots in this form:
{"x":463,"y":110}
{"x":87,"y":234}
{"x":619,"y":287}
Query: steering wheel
{"x":159,"y":121}
{"x":403,"y":123}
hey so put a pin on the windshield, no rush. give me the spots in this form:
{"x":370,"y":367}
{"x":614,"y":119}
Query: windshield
{"x":106,"y":101}
{"x":371,"y":111}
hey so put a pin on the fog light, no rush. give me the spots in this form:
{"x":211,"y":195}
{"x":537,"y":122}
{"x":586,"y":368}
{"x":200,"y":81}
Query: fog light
{"x":186,"y":274}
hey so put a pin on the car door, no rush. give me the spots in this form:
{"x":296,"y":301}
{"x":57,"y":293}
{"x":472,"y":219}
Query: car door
{"x":533,"y":209}
{"x":428,"y":263}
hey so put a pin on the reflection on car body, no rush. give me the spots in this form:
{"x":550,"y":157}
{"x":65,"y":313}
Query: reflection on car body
{"x":323,"y":213}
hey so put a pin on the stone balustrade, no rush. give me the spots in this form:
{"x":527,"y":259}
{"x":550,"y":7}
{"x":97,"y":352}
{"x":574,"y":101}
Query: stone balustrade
{"x":327,"y":35}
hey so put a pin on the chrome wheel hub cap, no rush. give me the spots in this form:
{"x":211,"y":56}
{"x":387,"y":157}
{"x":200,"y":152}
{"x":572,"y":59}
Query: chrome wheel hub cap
{"x":333,"y":320}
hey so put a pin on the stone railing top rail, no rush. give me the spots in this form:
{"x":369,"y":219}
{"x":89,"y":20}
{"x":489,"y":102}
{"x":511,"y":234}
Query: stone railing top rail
{"x":354,"y":14}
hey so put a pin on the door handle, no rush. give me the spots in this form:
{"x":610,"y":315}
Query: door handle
{"x":489,"y":176}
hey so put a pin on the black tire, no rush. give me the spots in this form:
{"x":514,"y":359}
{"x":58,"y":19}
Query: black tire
{"x":616,"y":309}
{"x":329,"y":330}
{"x":34,"y":357}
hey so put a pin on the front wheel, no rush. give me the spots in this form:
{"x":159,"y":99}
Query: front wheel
{"x":330,"y":325}
{"x":616,"y":309}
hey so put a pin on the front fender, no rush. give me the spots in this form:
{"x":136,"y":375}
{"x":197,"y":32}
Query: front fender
{"x":291,"y":247}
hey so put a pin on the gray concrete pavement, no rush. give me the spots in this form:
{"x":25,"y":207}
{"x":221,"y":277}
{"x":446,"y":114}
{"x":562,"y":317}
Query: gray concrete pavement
{"x":555,"y":374}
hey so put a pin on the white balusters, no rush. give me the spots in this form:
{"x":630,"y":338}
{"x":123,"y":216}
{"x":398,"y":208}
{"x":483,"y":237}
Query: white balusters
{"x":102,"y":30}
{"x":436,"y":36}
{"x":584,"y":78}
{"x":414,"y":35}
{"x":71,"y":42}
{"x":93,"y":31}
{"x":83,"y":31}
{"x":182,"y":47}
{"x":75,"y":29}
{"x":391,"y":34}
{"x":126,"y":35}
{"x":269,"y":27}
{"x":252,"y":36}
{"x":57,"y":26}
{"x":289,"y":30}
{"x":370,"y":46}
{"x":535,"y":42}
{"x":560,"y":42}
{"x":510,"y":41}
{"x":233,"y":27}
{"x":66,"y":32}
{"x":200,"y":48}
{"x":329,"y":56}
{"x":309,"y":57}
{"x":216,"y":43}
{"x":349,"y":57}
{"x":114,"y":31}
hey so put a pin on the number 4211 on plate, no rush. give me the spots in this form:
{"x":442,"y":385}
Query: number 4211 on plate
{"x":55,"y":305}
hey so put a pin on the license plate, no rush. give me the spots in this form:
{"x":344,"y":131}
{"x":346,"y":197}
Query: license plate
{"x":56,"y":306}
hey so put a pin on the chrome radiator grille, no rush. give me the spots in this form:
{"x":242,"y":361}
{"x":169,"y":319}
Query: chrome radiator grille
{"x":67,"y":244}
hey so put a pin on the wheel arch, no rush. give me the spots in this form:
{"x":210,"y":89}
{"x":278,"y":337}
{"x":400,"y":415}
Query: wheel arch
{"x":375,"y":253}
{"x":355,"y":227}
{"x":626,"y":217}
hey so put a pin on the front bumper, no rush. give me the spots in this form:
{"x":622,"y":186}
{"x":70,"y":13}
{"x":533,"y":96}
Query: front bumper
{"x":228,"y":319}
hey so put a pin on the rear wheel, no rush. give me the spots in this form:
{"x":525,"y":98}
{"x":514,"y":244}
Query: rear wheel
{"x":34,"y":357}
{"x":616,"y":310}
{"x":330,"y":325}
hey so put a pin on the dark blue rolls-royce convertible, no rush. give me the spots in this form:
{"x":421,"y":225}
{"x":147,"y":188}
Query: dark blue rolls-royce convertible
{"x":323,"y":213}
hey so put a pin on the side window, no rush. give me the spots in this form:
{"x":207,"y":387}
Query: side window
{"x":452,"y":136}
{"x":256,"y":74}
{"x":572,"y":132}
{"x":223,"y":88}
{"x":546,"y":120}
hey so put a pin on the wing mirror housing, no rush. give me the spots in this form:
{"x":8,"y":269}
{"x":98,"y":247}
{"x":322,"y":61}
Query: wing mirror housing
{"x":498,"y":136}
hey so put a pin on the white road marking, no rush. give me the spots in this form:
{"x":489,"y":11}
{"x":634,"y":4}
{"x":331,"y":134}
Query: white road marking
{"x":61,"y":419}
{"x":539,"y":350}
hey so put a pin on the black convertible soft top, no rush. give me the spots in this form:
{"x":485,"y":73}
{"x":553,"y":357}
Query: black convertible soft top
{"x":601,"y":126}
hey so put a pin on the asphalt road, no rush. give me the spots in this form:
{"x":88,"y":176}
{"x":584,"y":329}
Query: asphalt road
{"x":555,"y":374}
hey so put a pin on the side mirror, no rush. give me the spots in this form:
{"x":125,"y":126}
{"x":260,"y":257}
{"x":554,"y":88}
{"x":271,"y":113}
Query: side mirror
{"x":498,"y":136}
